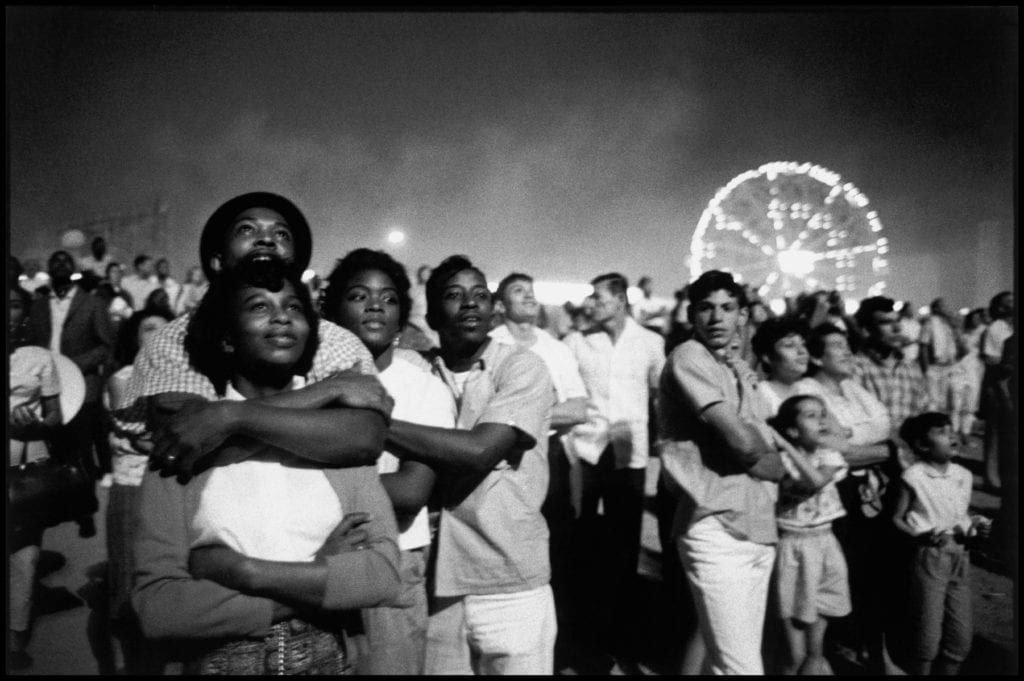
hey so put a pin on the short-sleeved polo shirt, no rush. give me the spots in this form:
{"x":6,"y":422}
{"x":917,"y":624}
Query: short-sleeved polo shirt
{"x":694,"y":379}
{"x":495,"y":540}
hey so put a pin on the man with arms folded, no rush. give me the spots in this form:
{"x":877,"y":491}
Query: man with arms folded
{"x":493,"y":611}
{"x":718,"y":455}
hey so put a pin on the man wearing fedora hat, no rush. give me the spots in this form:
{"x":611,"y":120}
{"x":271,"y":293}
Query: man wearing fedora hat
{"x":166,"y":395}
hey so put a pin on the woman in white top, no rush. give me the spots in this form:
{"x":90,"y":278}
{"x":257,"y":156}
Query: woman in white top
{"x":780,"y":344}
{"x":34,"y":401}
{"x":368,"y":294}
{"x":254,"y":556}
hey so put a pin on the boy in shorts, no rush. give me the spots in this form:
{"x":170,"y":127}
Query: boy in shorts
{"x":811,"y":580}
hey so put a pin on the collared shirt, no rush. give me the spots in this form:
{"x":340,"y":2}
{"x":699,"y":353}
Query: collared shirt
{"x":561,"y":363}
{"x":619,"y":379}
{"x":691,"y":452}
{"x":495,"y":540}
{"x":162,"y":366}
{"x":59,"y":307}
{"x":941,"y":498}
{"x":897,"y":383}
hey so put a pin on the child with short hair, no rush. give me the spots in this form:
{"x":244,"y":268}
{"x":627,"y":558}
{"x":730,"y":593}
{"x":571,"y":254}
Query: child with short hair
{"x":932,"y":509}
{"x":811,"y":579}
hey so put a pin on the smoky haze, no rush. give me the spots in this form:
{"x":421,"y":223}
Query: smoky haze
{"x":563,"y":145}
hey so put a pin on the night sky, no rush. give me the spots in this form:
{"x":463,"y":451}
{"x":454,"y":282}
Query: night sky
{"x":560,"y":144}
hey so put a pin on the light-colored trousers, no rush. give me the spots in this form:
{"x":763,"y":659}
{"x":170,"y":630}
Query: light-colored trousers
{"x":493,"y":634}
{"x":729,"y":580}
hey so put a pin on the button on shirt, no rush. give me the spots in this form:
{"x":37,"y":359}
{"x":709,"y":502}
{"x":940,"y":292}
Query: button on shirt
{"x":941,"y":498}
{"x":619,"y":378}
{"x":495,"y":539}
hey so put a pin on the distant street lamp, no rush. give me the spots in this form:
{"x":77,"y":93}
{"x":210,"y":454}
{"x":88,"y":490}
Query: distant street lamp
{"x":396,"y":237}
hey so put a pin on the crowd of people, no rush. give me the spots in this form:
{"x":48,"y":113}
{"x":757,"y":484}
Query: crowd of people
{"x":370,"y":475}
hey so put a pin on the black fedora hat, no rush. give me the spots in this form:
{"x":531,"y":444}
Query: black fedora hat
{"x":212,"y":240}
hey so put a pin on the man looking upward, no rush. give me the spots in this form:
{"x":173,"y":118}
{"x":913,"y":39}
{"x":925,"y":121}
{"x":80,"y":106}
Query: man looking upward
{"x":620,"y":363}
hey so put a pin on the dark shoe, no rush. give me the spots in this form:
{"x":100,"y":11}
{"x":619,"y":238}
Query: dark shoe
{"x":49,"y":562}
{"x":50,"y":600}
{"x":87,"y":528}
{"x":19,"y":660}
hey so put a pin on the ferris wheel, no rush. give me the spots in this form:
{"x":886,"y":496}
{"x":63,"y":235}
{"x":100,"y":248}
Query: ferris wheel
{"x":790,"y":227}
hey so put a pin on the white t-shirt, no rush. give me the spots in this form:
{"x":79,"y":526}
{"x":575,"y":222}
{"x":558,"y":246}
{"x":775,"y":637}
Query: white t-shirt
{"x":265,"y":510}
{"x":422,"y":398}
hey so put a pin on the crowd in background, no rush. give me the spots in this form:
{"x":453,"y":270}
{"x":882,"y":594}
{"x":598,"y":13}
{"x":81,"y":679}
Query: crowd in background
{"x":478,"y":507}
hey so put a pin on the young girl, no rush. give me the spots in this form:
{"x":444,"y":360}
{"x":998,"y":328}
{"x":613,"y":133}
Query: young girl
{"x":368,"y":294}
{"x":252,"y":560}
{"x":810,"y":570}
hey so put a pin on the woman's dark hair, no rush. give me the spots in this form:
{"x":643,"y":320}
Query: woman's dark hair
{"x":127,"y":345}
{"x":448,"y":268}
{"x":772,"y":331}
{"x":159,"y":298}
{"x":788,"y":412}
{"x":212,"y":321}
{"x":357,"y":262}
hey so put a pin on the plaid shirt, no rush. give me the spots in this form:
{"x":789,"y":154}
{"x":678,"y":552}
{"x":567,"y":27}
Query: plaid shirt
{"x":163,"y":367}
{"x":897,"y":384}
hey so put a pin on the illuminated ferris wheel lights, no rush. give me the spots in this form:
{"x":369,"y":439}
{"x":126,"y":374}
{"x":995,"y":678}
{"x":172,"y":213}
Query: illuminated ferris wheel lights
{"x":796,"y":263}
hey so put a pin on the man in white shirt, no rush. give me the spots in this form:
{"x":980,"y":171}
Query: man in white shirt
{"x":167,"y":282}
{"x":621,"y":364}
{"x":140,"y":283}
{"x":74,"y":323}
{"x":519,"y":309}
{"x":651,"y":314}
{"x":938,"y":356}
